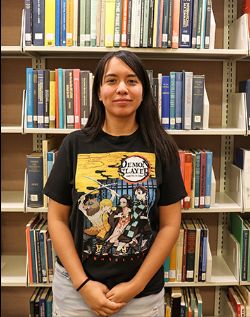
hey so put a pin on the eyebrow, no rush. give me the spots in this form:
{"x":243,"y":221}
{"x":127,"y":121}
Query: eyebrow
{"x":115,"y":75}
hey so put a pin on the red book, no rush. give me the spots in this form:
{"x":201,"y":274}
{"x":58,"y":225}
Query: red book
{"x":182,"y":160}
{"x":176,"y":23}
{"x":76,"y":79}
{"x":57,"y":101}
{"x":124,"y":24}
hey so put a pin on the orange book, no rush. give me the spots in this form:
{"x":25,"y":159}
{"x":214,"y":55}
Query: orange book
{"x":188,"y":168}
{"x":182,"y":160}
{"x":57,"y":101}
{"x":69,"y":22}
{"x":124,"y":23}
{"x":176,"y":23}
{"x":76,"y":81}
{"x":172,"y":266}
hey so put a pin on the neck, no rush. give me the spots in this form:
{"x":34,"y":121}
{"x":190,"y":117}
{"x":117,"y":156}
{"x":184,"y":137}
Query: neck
{"x":120,"y":128}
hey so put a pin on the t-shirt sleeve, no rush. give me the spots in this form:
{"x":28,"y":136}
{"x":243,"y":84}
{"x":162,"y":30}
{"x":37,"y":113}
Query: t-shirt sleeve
{"x":172,"y":188}
{"x":58,"y":186}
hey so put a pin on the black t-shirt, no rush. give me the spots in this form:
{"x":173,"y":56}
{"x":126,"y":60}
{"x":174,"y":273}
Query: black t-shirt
{"x":114,"y":185}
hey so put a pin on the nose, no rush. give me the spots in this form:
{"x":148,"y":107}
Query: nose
{"x":122,"y":88}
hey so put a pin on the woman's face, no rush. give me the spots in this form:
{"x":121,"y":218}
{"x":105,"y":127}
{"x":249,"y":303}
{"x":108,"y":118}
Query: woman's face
{"x":121,"y":91}
{"x":123,"y":202}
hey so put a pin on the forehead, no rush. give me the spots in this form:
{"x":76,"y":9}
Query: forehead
{"x":115,"y":66}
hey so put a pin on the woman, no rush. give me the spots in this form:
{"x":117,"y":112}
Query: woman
{"x":123,"y":146}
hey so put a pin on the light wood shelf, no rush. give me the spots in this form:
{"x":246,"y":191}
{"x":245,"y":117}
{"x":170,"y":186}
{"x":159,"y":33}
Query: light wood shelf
{"x":13,"y":270}
{"x":12,"y":201}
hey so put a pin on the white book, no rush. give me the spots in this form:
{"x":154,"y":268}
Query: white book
{"x":238,"y":33}
{"x":187,"y":104}
{"x":93,"y":11}
{"x":138,"y":23}
{"x":102,"y":24}
{"x":133,"y":23}
{"x":245,"y":179}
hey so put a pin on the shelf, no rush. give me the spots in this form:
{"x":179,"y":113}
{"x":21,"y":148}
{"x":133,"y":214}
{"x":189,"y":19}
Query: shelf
{"x":13,"y":270}
{"x":144,"y":53}
{"x":12,"y":201}
{"x":37,"y":210}
{"x":12,"y":51}
{"x":11,"y":129}
{"x":221,"y":276}
{"x":172,"y":132}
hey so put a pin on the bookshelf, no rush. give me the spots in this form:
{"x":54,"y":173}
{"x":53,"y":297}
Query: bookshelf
{"x":224,"y":68}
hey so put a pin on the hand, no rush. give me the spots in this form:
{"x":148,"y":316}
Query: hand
{"x":94,"y":294}
{"x":123,"y":292}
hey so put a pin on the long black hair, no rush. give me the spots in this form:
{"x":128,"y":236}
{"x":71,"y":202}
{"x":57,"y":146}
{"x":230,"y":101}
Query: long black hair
{"x":147,"y":115}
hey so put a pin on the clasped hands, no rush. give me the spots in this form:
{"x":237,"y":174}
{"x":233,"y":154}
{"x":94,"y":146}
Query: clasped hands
{"x":105,"y":302}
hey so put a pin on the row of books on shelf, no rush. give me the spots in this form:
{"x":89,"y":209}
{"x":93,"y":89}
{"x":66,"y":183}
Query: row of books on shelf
{"x":236,"y":301}
{"x":196,"y":169}
{"x":40,"y":252}
{"x":61,"y":98}
{"x":240,"y":229}
{"x":41,"y":302}
{"x":117,"y":23}
{"x":190,"y":259}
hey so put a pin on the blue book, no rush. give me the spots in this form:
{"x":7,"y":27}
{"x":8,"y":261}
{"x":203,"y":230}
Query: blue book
{"x":29,"y":97}
{"x":60,"y":98}
{"x":50,"y":259}
{"x":58,"y":23}
{"x":178,"y":100}
{"x":197,"y":178}
{"x":40,"y":98}
{"x":166,"y":266}
{"x":28,"y":22}
{"x":203,"y":23}
{"x":244,"y":86}
{"x":165,"y":108}
{"x":172,"y":101}
{"x":43,"y":233}
{"x":50,"y":159}
{"x":49,"y":303}
{"x":38,"y":22}
{"x":209,"y":164}
{"x":204,"y":252}
{"x":186,"y":16}
{"x":42,"y":302}
{"x":63,"y":23}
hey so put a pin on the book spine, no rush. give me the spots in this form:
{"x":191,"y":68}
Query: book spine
{"x":29,"y":97}
{"x":208,"y":23}
{"x":184,"y":254}
{"x":35,"y":110}
{"x":102,"y":22}
{"x":76,"y":76}
{"x":197,"y":180}
{"x":155,"y":19}
{"x":179,"y":254}
{"x":60,"y":99}
{"x":197,"y":102}
{"x":187,"y":179}
{"x":93,"y":13}
{"x":166,"y":269}
{"x":109,"y":22}
{"x":117,"y":31}
{"x":165,"y":24}
{"x":187,"y":100}
{"x":42,"y":241}
{"x":172,"y":101}
{"x":150,"y":23}
{"x":244,"y":86}
{"x":82,"y":22}
{"x":38,"y":22}
{"x":63,"y":22}
{"x":52,"y":100}
{"x":172,"y":265}
{"x":124,"y":23}
{"x":58,"y":23}
{"x":50,"y":259}
{"x":50,"y":22}
{"x":165,"y":101}
{"x":202,"y":179}
{"x":190,"y":257}
{"x":176,"y":25}
{"x":199,"y":23}
{"x":84,"y":97}
{"x":40,"y":98}
{"x":35,"y":181}
{"x":28,"y":22}
{"x":194,"y":23}
{"x":46,"y":97}
{"x":142,"y":22}
{"x":69,"y":98}
{"x":69,"y":22}
{"x":186,"y":12}
{"x":170,"y":23}
{"x":209,"y":166}
{"x":178,"y":99}
{"x":88,"y":23}
{"x":76,"y":22}
{"x":159,"y":25}
{"x":203,"y":23}
{"x":245,"y":254}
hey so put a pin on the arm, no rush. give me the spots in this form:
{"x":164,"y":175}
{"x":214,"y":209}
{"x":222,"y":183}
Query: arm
{"x":170,"y":219}
{"x":93,"y":292}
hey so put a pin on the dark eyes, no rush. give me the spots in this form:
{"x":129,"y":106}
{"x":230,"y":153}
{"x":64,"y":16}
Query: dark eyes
{"x":129,"y":81}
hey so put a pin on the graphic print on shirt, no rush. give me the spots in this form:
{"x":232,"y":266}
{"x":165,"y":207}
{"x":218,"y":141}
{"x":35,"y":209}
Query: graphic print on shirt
{"x":116,"y":191}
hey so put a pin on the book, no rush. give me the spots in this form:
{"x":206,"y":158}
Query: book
{"x":50,"y":23}
{"x":109,"y":22}
{"x":167,"y":304}
{"x":150,"y":23}
{"x":124,"y":23}
{"x":60,"y":89}
{"x":172,"y":265}
{"x":194,"y":23}
{"x":176,"y":294}
{"x":34,"y":309}
{"x":235,"y":301}
{"x":87,"y":20}
{"x":58,"y":23}
{"x":63,"y":22}
{"x":165,"y":25}
{"x":46,"y":97}
{"x":28,"y":22}
{"x":175,"y":23}
{"x":76,"y":93}
{"x":38,"y":256}
{"x":187,"y":179}
{"x":42,"y":302}
{"x":187,"y":100}
{"x":190,"y":256}
{"x":69,"y":22}
{"x":40,"y":98}
{"x":209,"y":166}
{"x":244,"y":86}
{"x":203,"y":163}
{"x":178,"y":99}
{"x":172,"y":104}
{"x":84,"y":96}
{"x":51,"y":259}
{"x":197,"y":101}
{"x":82,"y":6}
{"x":197,"y":249}
{"x":117,"y":27}
{"x":34,"y":164}
{"x":165,"y":107}
{"x":38,"y":22}
{"x":52,"y":100}
{"x":166,"y":269}
{"x":76,"y":22}
{"x":208,"y":24}
{"x":35,"y":100}
{"x":43,"y":236}
{"x":179,"y":254}
{"x":69,"y":99}
{"x":29,"y":97}
{"x":186,"y":14}
{"x":93,"y":22}
{"x":48,"y":304}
